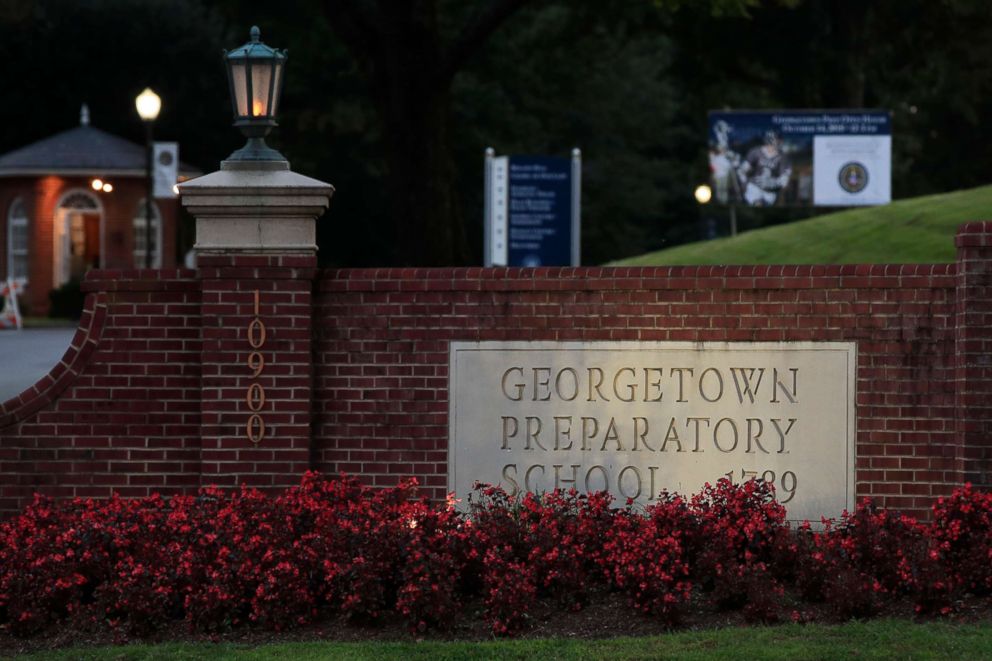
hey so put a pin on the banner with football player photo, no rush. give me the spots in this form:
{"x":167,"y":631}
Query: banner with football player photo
{"x":801,"y":158}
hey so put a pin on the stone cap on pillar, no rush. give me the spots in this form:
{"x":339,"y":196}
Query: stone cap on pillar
{"x":255,"y":207}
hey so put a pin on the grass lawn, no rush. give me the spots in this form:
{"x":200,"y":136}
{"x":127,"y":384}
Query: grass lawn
{"x":877,"y":639}
{"x":915,"y":230}
{"x":48,"y":322}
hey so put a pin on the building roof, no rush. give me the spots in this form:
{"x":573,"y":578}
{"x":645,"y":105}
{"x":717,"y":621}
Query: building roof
{"x":82,"y":151}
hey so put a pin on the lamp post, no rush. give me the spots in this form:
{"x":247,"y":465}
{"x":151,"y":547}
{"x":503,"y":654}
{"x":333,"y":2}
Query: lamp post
{"x":255,"y":76}
{"x":703,"y":194}
{"x":148,"y":104}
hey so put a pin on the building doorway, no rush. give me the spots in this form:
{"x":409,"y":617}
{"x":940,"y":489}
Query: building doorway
{"x":78,"y":236}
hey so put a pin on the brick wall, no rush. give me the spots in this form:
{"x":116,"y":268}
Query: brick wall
{"x":121,"y":410}
{"x":382,"y":351}
{"x":974,"y":351}
{"x":156,"y":393}
{"x":256,"y":365}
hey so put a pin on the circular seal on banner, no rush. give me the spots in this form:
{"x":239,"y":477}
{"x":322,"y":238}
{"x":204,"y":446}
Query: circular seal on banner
{"x":853,"y":177}
{"x":165,"y":158}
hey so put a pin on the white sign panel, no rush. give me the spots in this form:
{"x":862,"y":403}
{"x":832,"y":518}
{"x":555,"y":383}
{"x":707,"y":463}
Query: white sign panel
{"x":165,"y":158}
{"x":636,"y":418}
{"x":851,"y":170}
{"x":497,"y":217}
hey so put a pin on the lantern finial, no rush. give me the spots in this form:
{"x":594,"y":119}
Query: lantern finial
{"x":255,"y":34}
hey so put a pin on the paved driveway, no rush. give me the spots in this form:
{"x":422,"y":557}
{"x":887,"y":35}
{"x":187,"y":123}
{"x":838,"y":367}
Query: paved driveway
{"x":27,"y":355}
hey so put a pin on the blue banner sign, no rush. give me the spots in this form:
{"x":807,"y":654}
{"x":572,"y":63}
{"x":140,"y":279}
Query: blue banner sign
{"x":801,"y":158}
{"x":532,"y":206}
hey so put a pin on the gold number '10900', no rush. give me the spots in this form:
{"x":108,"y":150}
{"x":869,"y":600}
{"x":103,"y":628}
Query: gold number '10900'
{"x":255,"y":397}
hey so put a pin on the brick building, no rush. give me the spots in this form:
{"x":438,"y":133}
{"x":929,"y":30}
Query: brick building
{"x":56,"y":223}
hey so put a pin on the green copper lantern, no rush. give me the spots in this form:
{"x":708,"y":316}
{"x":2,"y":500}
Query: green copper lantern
{"x":255,"y":73}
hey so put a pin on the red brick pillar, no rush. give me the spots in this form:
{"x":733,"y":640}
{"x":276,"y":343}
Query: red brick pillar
{"x":256,"y":255}
{"x":974,"y":351}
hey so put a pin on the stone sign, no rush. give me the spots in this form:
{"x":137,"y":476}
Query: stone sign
{"x":636,"y":418}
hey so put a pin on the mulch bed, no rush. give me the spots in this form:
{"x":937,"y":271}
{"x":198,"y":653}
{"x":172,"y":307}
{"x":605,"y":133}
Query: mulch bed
{"x":607,"y":615}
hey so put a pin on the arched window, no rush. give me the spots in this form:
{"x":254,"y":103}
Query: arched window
{"x":17,"y":241}
{"x":140,"y":232}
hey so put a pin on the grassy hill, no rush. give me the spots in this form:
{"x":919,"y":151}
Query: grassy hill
{"x":919,"y":229}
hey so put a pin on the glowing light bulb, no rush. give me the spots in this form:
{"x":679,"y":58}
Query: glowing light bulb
{"x":97,"y":184}
{"x":148,"y":104}
{"x":703,"y":194}
{"x":175,"y":189}
{"x":256,"y":108}
{"x":108,"y":188}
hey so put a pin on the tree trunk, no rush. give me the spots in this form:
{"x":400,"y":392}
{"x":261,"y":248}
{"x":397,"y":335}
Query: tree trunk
{"x":420,"y":180}
{"x":850,"y":26}
{"x":401,"y":43}
{"x":415,"y":107}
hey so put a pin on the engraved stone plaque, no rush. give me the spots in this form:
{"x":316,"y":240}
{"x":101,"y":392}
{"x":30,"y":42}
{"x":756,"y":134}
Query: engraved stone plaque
{"x":636,"y":418}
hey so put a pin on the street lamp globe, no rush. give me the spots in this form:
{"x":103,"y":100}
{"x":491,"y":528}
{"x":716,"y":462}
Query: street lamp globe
{"x":255,"y":76}
{"x":148,"y":104}
{"x":703,"y":194}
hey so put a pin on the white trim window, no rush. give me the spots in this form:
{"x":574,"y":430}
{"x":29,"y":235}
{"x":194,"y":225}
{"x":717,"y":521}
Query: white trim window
{"x":18,"y":242}
{"x":139,"y":236}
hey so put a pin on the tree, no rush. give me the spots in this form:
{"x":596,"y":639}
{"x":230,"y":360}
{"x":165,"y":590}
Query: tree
{"x":59,"y":55}
{"x":411,"y":64}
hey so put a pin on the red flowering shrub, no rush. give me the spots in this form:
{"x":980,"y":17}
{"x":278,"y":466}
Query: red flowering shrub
{"x":595,"y":514}
{"x":509,"y":590}
{"x":355,"y":536}
{"x":740,"y":527}
{"x":557,"y":548}
{"x":643,"y":557}
{"x":360,"y":554}
{"x":853,"y":593}
{"x":809,"y":564}
{"x":863,"y":557}
{"x":438,"y":549}
{"x":763,"y":603}
{"x":57,"y":559}
{"x":534,"y":545}
{"x":961,"y":536}
{"x":237,"y":562}
{"x":372,"y":551}
{"x":140,"y":592}
{"x":219,"y":560}
{"x":935,"y":583}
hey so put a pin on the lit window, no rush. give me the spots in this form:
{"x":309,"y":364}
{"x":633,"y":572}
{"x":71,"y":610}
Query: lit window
{"x":17,"y":241}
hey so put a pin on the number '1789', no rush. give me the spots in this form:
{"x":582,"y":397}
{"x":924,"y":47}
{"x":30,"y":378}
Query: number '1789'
{"x":786,"y":484}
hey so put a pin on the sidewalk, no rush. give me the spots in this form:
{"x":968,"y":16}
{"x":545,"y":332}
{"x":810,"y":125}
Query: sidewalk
{"x":27,"y":355}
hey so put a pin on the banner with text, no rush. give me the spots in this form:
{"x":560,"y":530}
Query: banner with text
{"x":636,"y":418}
{"x":801,"y":158}
{"x":165,"y":156}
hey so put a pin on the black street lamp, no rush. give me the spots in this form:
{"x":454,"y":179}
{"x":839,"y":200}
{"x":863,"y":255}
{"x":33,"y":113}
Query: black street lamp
{"x":148,"y":104}
{"x":255,"y":74}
